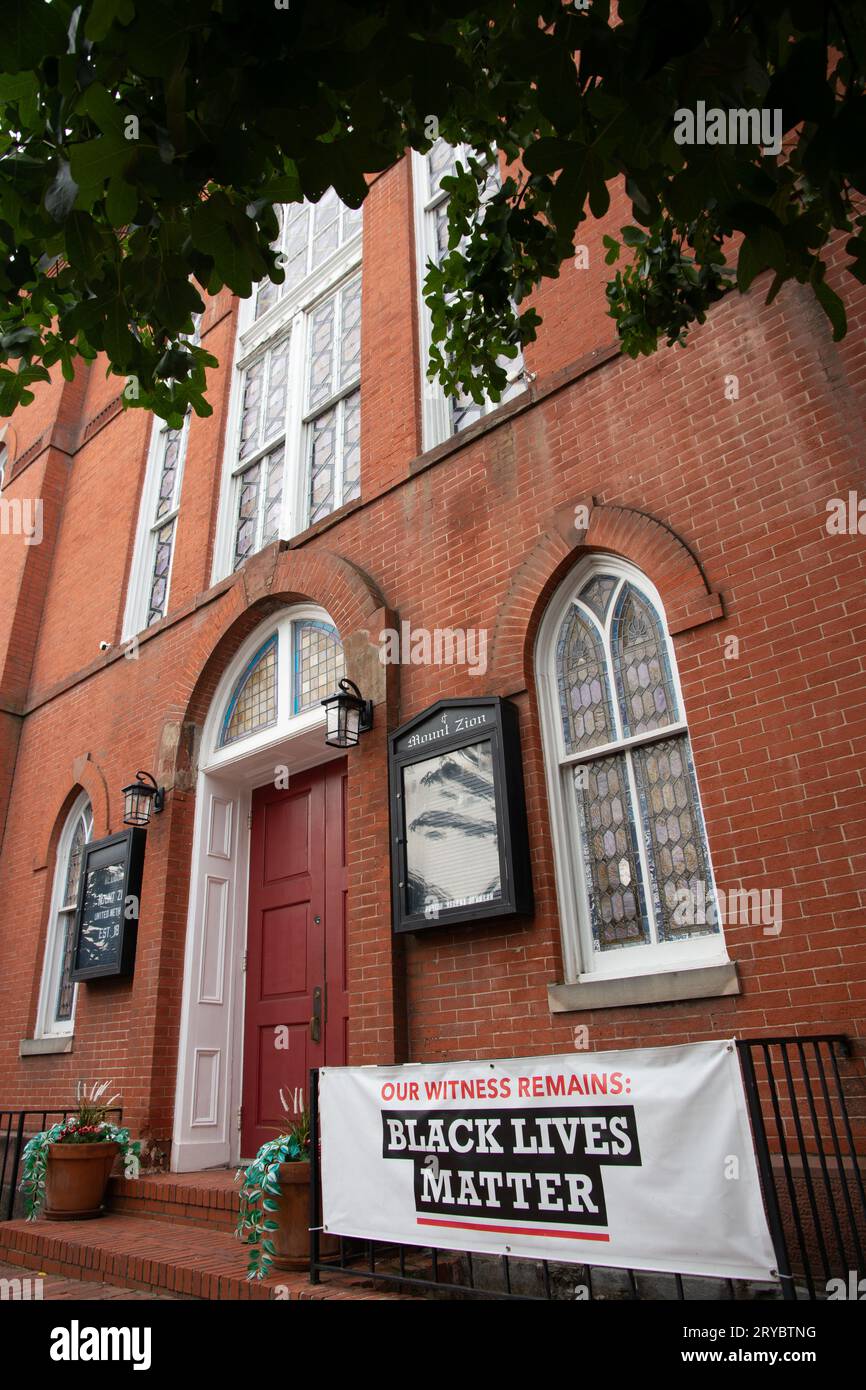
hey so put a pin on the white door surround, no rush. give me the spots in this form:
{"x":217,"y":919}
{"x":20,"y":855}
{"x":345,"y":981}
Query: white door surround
{"x":208,"y":1092}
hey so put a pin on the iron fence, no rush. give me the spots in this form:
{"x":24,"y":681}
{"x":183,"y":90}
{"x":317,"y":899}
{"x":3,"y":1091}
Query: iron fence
{"x":807,"y":1106}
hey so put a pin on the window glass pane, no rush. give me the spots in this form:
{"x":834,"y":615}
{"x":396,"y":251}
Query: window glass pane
{"x":643,"y":676}
{"x":275,"y":408}
{"x":452,"y":842}
{"x":326,"y":227}
{"x":66,"y":986}
{"x":73,"y":869}
{"x":610,"y":854}
{"x":65,"y":925}
{"x":159,"y":580}
{"x":675,"y":839}
{"x":350,"y":332}
{"x":319,"y":664}
{"x":322,"y":352}
{"x":352,"y":447}
{"x":584,"y":696}
{"x":170,"y":443}
{"x":596,"y":594}
{"x":251,"y":407}
{"x":323,"y":445}
{"x":273,"y":496}
{"x":253,"y":705}
{"x":248,"y":514}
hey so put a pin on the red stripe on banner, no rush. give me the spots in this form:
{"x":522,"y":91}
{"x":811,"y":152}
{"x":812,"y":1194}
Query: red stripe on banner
{"x":514,"y":1230}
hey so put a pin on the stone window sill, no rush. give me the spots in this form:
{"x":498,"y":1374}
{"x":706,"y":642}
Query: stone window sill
{"x":664,"y":987}
{"x":41,"y":1047}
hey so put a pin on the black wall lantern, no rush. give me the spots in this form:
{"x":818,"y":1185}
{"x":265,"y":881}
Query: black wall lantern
{"x":140,"y":797}
{"x":348,"y":716}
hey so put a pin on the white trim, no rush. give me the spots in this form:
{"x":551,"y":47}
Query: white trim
{"x":147,"y":530}
{"x":289,"y":316}
{"x":212,"y":1020}
{"x":46,"y":1025}
{"x":581,"y":961}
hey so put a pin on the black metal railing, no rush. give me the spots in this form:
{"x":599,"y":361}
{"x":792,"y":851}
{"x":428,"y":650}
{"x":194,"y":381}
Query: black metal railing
{"x":807,"y":1106}
{"x":16,"y":1127}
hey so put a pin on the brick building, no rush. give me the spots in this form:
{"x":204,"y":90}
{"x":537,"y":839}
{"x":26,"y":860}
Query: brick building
{"x":638,"y":556}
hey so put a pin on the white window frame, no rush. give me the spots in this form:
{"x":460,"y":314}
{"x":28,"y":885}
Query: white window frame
{"x":47,"y":1026}
{"x":581,"y":961}
{"x":148,"y":529}
{"x":436,"y":418}
{"x":287,"y":722}
{"x":290,"y":316}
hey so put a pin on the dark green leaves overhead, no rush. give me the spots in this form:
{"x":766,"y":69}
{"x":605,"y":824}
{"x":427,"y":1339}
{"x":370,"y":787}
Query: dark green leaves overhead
{"x":144,"y":143}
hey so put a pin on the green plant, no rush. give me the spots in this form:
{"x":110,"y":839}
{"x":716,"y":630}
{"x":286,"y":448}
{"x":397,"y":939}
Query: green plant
{"x":260,"y":1184}
{"x":86,"y":1125}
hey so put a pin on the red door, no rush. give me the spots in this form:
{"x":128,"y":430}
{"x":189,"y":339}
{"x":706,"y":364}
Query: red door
{"x":296,"y":1000}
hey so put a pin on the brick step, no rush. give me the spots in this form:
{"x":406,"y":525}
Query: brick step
{"x":162,"y":1256}
{"x":210,"y":1199}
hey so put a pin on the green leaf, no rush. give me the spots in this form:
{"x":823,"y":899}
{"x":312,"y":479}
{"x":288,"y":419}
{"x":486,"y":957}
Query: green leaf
{"x":30,"y":32}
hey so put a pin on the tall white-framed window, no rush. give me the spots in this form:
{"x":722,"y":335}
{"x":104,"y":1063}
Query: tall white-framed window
{"x":150,"y":577}
{"x":293,"y":438}
{"x":443,"y":416}
{"x":56,"y":1009}
{"x":634,"y":877}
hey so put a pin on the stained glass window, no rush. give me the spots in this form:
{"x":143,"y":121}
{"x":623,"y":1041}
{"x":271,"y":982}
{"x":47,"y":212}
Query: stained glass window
{"x":318,"y":662}
{"x":253,"y":705}
{"x":335,"y":408}
{"x":643,"y":675}
{"x":310,"y":233}
{"x":296,"y":443}
{"x":441,"y":161}
{"x":262,"y":446}
{"x":58,"y":994}
{"x":584,"y":697}
{"x":642,"y":842}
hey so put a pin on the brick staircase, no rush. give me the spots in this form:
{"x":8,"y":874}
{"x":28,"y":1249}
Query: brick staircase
{"x":167,"y":1233}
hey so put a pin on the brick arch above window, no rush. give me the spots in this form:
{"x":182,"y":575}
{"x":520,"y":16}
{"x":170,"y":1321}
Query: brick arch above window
{"x":650,"y":544}
{"x":85,"y":775}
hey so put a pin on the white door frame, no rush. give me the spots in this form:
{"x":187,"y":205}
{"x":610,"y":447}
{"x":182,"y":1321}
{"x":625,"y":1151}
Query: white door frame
{"x":210,"y":1052}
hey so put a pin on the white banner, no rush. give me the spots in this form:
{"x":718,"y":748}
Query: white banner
{"x":640,"y":1159}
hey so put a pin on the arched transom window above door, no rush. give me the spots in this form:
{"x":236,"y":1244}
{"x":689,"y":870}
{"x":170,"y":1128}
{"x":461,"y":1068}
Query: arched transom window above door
{"x":634,"y":877}
{"x":277,"y":681}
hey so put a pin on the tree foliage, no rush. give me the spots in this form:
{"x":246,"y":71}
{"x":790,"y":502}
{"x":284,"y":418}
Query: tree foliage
{"x":144,"y":144}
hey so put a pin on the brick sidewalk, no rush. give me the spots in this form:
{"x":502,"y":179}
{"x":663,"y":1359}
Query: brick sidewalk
{"x":57,"y":1286}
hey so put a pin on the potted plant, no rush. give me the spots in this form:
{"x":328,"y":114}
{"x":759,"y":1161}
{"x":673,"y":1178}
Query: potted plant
{"x":66,"y":1168}
{"x":274,"y":1217}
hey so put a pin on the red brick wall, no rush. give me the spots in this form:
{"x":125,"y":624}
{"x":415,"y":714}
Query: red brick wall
{"x":476,"y":534}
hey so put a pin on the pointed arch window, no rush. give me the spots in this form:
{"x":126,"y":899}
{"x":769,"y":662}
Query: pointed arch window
{"x":57,"y":994}
{"x":631,"y":845}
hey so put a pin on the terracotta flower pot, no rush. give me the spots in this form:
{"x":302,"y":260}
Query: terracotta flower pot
{"x":292,"y":1237}
{"x":76,"y":1179}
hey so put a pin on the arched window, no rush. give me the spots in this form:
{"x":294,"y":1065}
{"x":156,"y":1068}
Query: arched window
{"x":286,"y":670}
{"x":635,"y":880}
{"x":57,"y":995}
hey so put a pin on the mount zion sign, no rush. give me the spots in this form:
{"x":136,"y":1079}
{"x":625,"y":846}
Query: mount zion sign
{"x":639,"y":1159}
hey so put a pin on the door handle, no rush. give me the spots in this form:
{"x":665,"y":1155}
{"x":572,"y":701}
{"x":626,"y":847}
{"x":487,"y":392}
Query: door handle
{"x":316,"y":1020}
